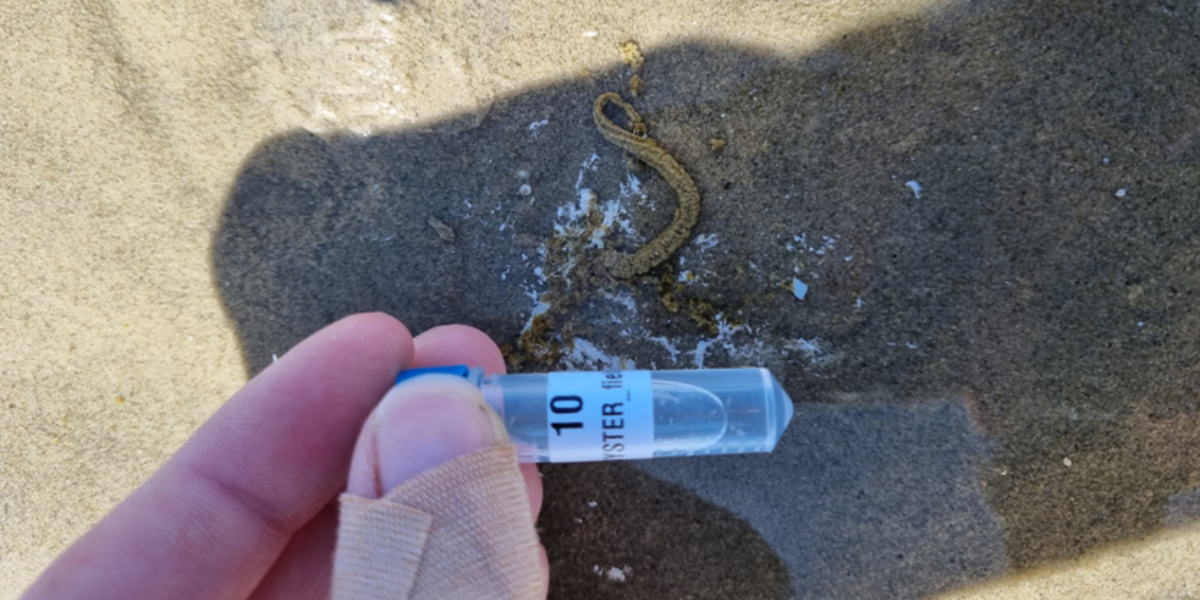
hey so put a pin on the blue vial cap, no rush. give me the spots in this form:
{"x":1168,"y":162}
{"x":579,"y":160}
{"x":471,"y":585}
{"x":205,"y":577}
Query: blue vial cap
{"x":457,"y":370}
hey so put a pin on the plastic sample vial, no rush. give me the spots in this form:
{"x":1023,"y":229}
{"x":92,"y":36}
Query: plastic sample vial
{"x":583,"y":416}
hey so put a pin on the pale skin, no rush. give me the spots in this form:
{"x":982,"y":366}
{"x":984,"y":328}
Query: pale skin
{"x":247,"y":508}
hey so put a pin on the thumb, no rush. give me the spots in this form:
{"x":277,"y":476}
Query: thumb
{"x":420,"y":424}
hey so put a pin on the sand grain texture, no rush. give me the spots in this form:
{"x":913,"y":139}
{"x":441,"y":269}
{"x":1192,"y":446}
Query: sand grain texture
{"x":132,"y":133}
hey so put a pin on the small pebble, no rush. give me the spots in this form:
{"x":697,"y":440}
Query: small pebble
{"x":444,"y":231}
{"x":615,"y":574}
{"x":799,"y":289}
{"x":915,"y":187}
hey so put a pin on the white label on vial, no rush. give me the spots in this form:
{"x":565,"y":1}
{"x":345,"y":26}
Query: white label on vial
{"x":604,"y":415}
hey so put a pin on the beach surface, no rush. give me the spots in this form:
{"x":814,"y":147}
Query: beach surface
{"x":963,"y":235}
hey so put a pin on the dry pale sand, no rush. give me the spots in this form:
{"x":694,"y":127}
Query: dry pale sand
{"x":123,"y":124}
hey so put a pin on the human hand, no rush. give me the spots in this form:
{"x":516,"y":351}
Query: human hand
{"x":247,"y":508}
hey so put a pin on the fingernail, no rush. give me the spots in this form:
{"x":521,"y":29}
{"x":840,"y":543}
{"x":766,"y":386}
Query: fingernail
{"x":427,"y":421}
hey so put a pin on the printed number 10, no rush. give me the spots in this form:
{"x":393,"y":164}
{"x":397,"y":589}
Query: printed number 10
{"x":566,"y":405}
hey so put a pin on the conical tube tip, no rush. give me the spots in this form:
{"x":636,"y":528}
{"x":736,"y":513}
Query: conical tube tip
{"x":783,"y":408}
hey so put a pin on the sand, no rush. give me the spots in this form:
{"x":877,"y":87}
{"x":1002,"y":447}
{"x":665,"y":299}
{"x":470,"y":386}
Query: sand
{"x":135,"y":135}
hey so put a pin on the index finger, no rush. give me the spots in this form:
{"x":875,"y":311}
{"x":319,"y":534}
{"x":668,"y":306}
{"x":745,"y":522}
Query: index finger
{"x":212,"y":520}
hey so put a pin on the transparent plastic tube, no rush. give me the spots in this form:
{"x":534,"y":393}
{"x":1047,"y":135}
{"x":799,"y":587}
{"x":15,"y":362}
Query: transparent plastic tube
{"x":615,"y":415}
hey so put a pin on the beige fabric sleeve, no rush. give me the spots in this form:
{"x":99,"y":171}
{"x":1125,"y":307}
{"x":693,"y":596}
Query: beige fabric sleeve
{"x":459,"y":530}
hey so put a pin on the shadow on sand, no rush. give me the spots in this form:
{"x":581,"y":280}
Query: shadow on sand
{"x":993,"y":213}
